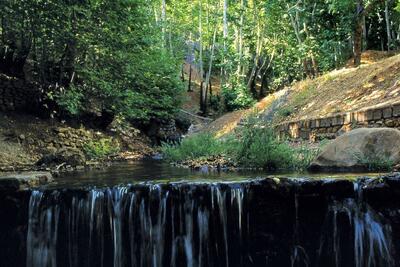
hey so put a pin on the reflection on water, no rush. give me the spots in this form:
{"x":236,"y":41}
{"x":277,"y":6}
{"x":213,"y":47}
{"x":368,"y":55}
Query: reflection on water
{"x":157,"y":171}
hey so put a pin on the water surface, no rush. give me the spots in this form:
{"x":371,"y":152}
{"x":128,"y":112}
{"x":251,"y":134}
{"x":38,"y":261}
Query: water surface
{"x":152,"y":171}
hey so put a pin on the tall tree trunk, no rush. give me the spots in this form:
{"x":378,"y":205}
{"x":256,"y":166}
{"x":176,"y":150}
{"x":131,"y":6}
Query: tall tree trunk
{"x":365,"y":35}
{"x":210,"y":89}
{"x":358,"y":32}
{"x":208,"y":77}
{"x":240,"y":39}
{"x":203,"y":99}
{"x":164,"y":21}
{"x":387,"y":19}
{"x":225,"y":36}
{"x":190,"y":78}
{"x":253,"y":74}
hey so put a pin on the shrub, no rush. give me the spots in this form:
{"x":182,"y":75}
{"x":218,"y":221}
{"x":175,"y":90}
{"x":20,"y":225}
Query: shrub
{"x":101,"y":148}
{"x":69,"y":100}
{"x":377,"y":162}
{"x":260,"y":148}
{"x":254,"y":146}
{"x":236,"y":96}
{"x":197,"y":146}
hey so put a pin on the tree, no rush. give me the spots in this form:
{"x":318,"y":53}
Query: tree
{"x":109,"y":56}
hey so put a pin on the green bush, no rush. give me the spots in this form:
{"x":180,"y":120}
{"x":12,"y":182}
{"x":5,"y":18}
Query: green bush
{"x":69,"y":100}
{"x":255,"y":146}
{"x":260,"y":148}
{"x":101,"y":148}
{"x":236,"y":96}
{"x":378,"y":162}
{"x":194,"y":147}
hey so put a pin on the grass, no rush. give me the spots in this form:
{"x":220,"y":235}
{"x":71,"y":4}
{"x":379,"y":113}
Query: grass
{"x":197,"y":146}
{"x":377,"y":162}
{"x":299,"y":99}
{"x":254,"y":146}
{"x":101,"y":149}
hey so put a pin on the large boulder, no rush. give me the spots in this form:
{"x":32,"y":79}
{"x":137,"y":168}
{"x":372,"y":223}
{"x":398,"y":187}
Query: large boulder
{"x":358,"y":149}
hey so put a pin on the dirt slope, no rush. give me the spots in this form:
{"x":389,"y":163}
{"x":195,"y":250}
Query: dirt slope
{"x":376,"y":82}
{"x":343,"y":90}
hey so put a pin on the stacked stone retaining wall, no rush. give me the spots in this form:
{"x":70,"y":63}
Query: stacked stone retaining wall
{"x":331,"y":126}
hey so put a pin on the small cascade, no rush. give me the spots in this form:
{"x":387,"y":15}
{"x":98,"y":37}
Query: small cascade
{"x":143,"y":225}
{"x":354,"y":230}
{"x":260,"y":223}
{"x":42,"y":232}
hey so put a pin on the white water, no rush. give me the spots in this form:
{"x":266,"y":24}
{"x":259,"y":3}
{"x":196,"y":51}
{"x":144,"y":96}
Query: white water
{"x":190,"y":225}
{"x":142,"y":225}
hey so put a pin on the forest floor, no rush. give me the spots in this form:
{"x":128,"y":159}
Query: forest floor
{"x":375,"y":83}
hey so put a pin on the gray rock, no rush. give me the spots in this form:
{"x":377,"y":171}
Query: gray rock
{"x":352,"y":150}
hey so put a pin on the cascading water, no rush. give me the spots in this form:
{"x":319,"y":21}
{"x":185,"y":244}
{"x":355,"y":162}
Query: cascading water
{"x":372,"y":236}
{"x":254,"y":223}
{"x":151,"y":225}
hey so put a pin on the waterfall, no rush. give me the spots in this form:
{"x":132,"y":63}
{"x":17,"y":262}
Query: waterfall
{"x":143,"y":225}
{"x":259,"y":223}
{"x":371,"y":234}
{"x":42,"y":232}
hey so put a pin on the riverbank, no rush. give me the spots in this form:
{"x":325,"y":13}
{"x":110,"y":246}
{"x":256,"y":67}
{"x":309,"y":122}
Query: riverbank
{"x":28,"y":143}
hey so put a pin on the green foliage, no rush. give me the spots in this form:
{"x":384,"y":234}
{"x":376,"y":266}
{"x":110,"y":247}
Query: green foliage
{"x":194,"y":147}
{"x":70,"y":100}
{"x":105,"y":53}
{"x":377,"y":162}
{"x":236,"y":96}
{"x":256,"y":146}
{"x":215,"y":102}
{"x":260,"y":148}
{"x":102,"y":148}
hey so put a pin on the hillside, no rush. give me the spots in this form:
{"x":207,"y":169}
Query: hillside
{"x":375,"y":83}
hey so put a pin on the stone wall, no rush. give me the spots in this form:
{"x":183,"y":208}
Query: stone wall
{"x":16,"y":95}
{"x":332,"y":126}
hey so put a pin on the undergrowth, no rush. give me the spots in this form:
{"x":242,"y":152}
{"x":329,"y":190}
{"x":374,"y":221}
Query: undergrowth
{"x":377,"y":162}
{"x":101,"y":148}
{"x":254,"y":146}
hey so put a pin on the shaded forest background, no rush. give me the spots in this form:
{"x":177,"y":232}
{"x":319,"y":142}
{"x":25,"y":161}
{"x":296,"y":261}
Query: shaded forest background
{"x":126,"y":57}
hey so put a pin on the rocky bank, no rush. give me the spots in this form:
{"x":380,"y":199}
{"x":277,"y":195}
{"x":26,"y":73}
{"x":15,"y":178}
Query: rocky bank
{"x":30,"y":143}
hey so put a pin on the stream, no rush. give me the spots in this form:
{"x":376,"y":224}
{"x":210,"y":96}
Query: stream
{"x":152,"y":214}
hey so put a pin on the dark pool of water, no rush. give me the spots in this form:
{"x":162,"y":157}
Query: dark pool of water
{"x":153,"y":171}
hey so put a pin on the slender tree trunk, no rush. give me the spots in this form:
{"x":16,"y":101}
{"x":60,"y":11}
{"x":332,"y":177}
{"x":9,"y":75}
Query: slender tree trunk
{"x":225,"y":36}
{"x":164,"y":21}
{"x":208,"y":77}
{"x":210,"y":89}
{"x":358,"y":32}
{"x":190,"y":79}
{"x":387,"y":19}
{"x":365,"y":35}
{"x":203,"y":99}
{"x":253,"y":74}
{"x":240,"y":38}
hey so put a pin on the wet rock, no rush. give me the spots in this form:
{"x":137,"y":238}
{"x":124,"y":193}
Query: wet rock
{"x":353,"y":150}
{"x":25,"y":180}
